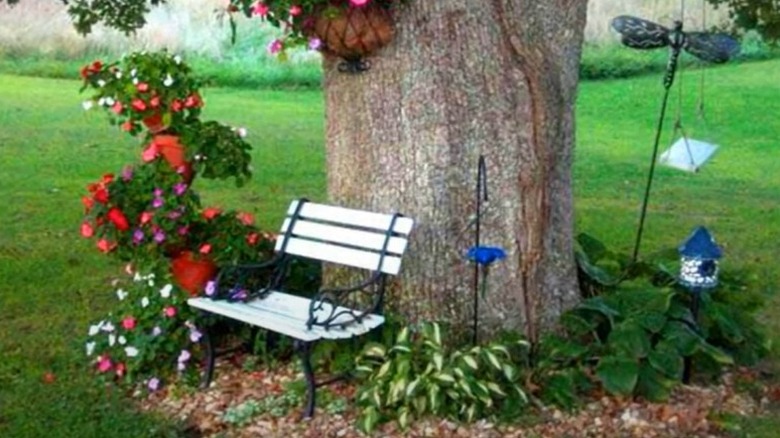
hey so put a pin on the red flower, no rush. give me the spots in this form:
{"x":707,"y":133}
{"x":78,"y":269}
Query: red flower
{"x":96,"y":66}
{"x":120,"y":369}
{"x":211,"y":212}
{"x":107,"y":178}
{"x":154,"y":102}
{"x":104,"y":364}
{"x":252,"y":238}
{"x":87,"y":230}
{"x":169,"y":311}
{"x":176,"y":105}
{"x":145,"y":217}
{"x":192,"y":101}
{"x":127,"y":126}
{"x":105,"y":246}
{"x":88,"y":203}
{"x":101,"y":195}
{"x":117,"y":108}
{"x":138,"y":105}
{"x":143,"y":87}
{"x":246,"y":218}
{"x":205,"y":248}
{"x":118,"y":218}
{"x":128,"y":323}
{"x":295,"y":10}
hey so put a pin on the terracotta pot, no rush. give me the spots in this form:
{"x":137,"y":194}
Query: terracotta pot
{"x":192,"y":273}
{"x":354,"y":32}
{"x":173,"y":152}
{"x":154,"y":123}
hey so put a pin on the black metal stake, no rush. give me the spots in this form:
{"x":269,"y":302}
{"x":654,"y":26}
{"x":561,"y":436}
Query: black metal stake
{"x":481,"y":194}
{"x":304,"y":349}
{"x":695,"y":304}
{"x":677,"y":40}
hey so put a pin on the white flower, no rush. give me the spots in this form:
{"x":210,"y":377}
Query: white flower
{"x":107,"y":327}
{"x":121,"y":294}
{"x":241,"y":132}
{"x":156,"y":331}
{"x":94,"y":329}
{"x":137,"y":277}
{"x":135,"y":81}
{"x":133,"y":72}
{"x":110,"y":101}
{"x":144,"y":302}
{"x":102,"y":101}
{"x":165,"y":292}
{"x":101,"y":83}
{"x":119,"y":74}
{"x":87,"y":105}
{"x":90,"y":348}
{"x":177,"y":59}
{"x":131,"y":351}
{"x":168,"y":81}
{"x":122,"y":340}
{"x":111,"y":340}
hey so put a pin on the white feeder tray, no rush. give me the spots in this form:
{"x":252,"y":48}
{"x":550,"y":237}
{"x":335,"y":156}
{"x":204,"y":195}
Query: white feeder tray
{"x":688,"y":154}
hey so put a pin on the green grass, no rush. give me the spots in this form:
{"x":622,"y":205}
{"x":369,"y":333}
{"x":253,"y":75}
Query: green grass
{"x":52,"y":283}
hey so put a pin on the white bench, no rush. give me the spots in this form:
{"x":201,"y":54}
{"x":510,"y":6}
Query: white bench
{"x":360,"y":239}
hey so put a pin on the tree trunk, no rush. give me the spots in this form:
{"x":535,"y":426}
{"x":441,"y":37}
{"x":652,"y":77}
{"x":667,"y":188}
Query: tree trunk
{"x":462,"y":79}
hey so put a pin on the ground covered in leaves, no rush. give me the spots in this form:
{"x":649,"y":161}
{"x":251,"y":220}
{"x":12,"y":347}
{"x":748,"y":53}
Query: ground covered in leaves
{"x":267,"y":402}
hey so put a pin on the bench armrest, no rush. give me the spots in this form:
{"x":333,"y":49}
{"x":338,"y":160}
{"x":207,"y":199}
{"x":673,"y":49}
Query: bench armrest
{"x":339,"y":307}
{"x":242,"y":282}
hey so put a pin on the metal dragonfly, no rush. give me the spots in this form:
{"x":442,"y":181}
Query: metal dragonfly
{"x":644,"y":35}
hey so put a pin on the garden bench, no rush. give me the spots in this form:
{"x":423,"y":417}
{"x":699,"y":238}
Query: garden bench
{"x":359,"y":239}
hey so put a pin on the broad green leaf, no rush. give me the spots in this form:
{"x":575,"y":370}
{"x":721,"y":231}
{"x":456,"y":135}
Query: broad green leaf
{"x":666,"y":360}
{"x":434,"y":398}
{"x":383,"y":370}
{"x":653,"y":385}
{"x":493,"y":386}
{"x":592,"y":247}
{"x":716,"y":354}
{"x":401,"y":348}
{"x":576,"y":325}
{"x":631,"y":339}
{"x":454,"y":395}
{"x":420,"y":404}
{"x":470,"y":361}
{"x":444,"y":377}
{"x":369,"y":420}
{"x":375,"y":350}
{"x":437,"y":333}
{"x":510,"y":372}
{"x":521,"y":393}
{"x":459,"y":372}
{"x":364,"y":369}
{"x":618,"y":374}
{"x":653,"y":322}
{"x":403,"y":418}
{"x":679,"y":335}
{"x":466,"y":387}
{"x":377,"y":398}
{"x":492,"y":359}
{"x":471,"y":413}
{"x":438,"y":360}
{"x":412,"y":387}
{"x":403,"y":336}
{"x":598,"y":305}
{"x":501,"y":349}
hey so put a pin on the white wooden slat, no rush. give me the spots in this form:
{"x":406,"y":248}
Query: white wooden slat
{"x":347,"y":236}
{"x":357,"y":218}
{"x":339,"y":254}
{"x":278,"y":322}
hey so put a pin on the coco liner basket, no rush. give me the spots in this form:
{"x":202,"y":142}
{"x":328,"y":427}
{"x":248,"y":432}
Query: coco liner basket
{"x":354,"y":32}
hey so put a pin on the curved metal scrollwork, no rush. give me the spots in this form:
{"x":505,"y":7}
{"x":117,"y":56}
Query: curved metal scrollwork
{"x":354,"y":66}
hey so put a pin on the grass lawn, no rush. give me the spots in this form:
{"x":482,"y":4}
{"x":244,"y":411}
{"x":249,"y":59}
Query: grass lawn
{"x":52,"y":283}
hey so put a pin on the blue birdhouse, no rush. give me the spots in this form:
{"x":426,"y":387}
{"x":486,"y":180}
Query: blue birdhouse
{"x":699,"y":256}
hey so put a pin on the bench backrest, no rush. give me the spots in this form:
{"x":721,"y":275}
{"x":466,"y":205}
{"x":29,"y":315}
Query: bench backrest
{"x":344,"y":236}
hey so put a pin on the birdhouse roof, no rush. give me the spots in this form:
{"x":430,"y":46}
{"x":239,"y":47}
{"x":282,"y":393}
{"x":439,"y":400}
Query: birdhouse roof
{"x":700,"y":245}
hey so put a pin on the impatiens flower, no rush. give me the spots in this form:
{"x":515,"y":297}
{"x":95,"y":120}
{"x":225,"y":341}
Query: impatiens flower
{"x":177,"y":59}
{"x":184,"y":356}
{"x":87,"y":105}
{"x":154,"y":384}
{"x":156,"y":331}
{"x":88,"y":203}
{"x":127,"y":173}
{"x":144,"y":302}
{"x":183,"y":230}
{"x":118,"y":218}
{"x":101,"y":195}
{"x":174,"y":215}
{"x":145,"y":217}
{"x":169,"y":311}
{"x":122,"y":340}
{"x":358,"y":3}
{"x":101,"y":83}
{"x":138,"y":236}
{"x":275,"y":46}
{"x":246,"y":218}
{"x":121,"y":294}
{"x":158,"y":192}
{"x":315,"y":44}
{"x":87,"y":230}
{"x":120,"y":369}
{"x":94,"y":329}
{"x":158,"y":202}
{"x":192,"y":101}
{"x":179,"y":189}
{"x":168,"y":81}
{"x":295,"y":10}
{"x":127,"y":126}
{"x":241,"y":132}
{"x":143,"y":87}
{"x":485,"y":255}
{"x":138,"y":105}
{"x":177,"y":105}
{"x":117,"y":108}
{"x":105,"y":246}
{"x":111,"y":340}
{"x":205,"y":248}
{"x":252,"y":238}
{"x":260,"y":9}
{"x":104,"y":364}
{"x":159,"y":236}
{"x":150,"y":153}
{"x":131,"y":351}
{"x":129,"y":323}
{"x":211,"y":212}
{"x":107,"y":327}
{"x":90,"y":347}
{"x":165,"y":292}
{"x":211,"y":288}
{"x":154,"y":102}
{"x":195,"y":335}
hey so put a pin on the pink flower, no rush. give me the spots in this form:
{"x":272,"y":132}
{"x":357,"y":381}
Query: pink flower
{"x":128,"y":323}
{"x":295,"y":10}
{"x":315,"y":44}
{"x":275,"y":47}
{"x":150,"y":153}
{"x":170,"y":311}
{"x":358,"y":3}
{"x":120,"y":369}
{"x":146,"y":217}
{"x":260,"y":9}
{"x":246,"y":218}
{"x":205,"y":249}
{"x":104,"y":364}
{"x":117,"y":108}
{"x":154,"y":384}
{"x":105,"y":246}
{"x":142,"y":87}
{"x":87,"y":230}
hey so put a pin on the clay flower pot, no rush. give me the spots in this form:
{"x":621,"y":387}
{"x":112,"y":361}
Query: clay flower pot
{"x":354,"y":32}
{"x":192,"y":273}
{"x":169,"y":147}
{"x":154,"y":123}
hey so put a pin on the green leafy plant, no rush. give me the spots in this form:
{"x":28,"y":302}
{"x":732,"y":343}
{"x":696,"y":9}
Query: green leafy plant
{"x":418,"y":376}
{"x":218,"y":151}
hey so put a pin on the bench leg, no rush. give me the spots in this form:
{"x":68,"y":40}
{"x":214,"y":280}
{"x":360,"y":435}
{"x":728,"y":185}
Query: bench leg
{"x":304,"y":349}
{"x":208,"y":347}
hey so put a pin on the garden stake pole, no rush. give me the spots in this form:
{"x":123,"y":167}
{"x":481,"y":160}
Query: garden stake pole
{"x":482,"y":193}
{"x":695,"y":304}
{"x":677,"y":39}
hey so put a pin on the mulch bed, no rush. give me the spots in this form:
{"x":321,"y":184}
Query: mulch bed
{"x":689,"y":412}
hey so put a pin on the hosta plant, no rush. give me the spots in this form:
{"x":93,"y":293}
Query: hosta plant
{"x":420,"y":376}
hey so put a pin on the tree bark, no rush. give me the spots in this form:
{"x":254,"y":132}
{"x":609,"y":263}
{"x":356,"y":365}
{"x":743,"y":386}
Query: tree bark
{"x":462,"y":79}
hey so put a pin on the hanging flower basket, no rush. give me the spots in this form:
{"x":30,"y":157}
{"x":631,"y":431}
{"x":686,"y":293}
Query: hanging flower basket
{"x":354,"y":32}
{"x":192,"y":273}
